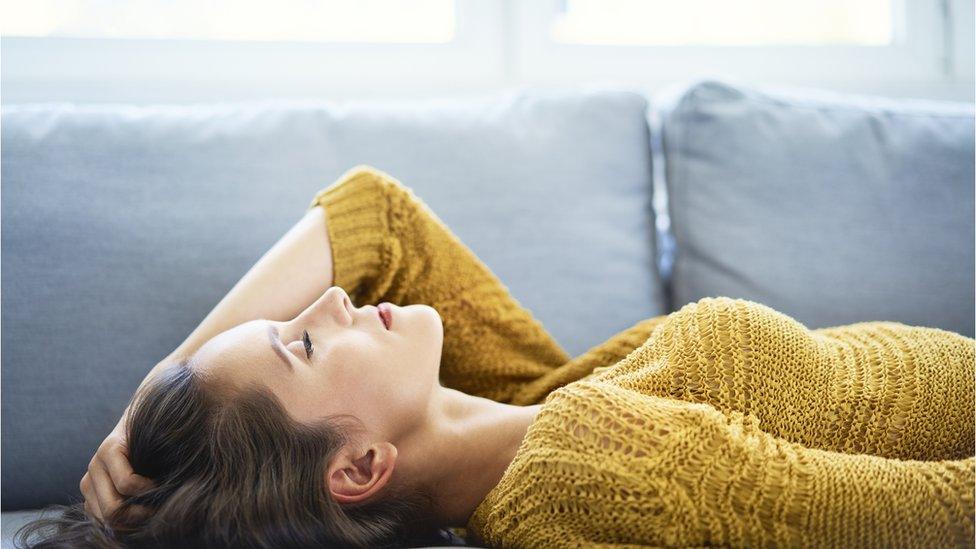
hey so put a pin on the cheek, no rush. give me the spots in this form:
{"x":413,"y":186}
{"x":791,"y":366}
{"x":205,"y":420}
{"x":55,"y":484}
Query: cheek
{"x":305,"y":401}
{"x":316,"y":396}
{"x":356,"y":377}
{"x":382,"y":381}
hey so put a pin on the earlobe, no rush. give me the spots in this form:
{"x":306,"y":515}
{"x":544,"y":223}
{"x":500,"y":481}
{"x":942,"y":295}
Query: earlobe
{"x":356,"y":475}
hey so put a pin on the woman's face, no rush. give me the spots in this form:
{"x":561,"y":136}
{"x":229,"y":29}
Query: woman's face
{"x":384,"y":377}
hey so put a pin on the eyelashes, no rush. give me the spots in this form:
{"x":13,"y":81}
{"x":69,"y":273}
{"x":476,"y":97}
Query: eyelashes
{"x":308,"y":344}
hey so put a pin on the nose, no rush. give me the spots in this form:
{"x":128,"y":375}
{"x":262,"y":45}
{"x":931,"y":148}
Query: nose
{"x":334,"y":303}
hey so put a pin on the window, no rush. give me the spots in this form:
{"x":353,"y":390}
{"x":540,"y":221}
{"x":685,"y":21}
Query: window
{"x":393,"y":21}
{"x":147,"y":51}
{"x":213,"y":50}
{"x":872,"y":46}
{"x":728,"y":23}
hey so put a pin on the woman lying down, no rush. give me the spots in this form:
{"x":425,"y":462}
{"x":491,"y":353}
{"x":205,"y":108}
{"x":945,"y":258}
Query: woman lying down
{"x":440,"y":409}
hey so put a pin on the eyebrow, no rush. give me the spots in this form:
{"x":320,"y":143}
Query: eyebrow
{"x":278,"y":347}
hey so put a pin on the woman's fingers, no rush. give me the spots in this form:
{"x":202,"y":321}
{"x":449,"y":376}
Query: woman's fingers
{"x":105,"y":493}
{"x":110,"y":477}
{"x":139,"y":512}
{"x":88,"y":491}
{"x":92,"y":512}
{"x":126,"y":481}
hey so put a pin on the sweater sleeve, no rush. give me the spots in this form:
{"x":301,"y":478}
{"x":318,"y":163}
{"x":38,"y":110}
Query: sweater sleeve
{"x":388,"y":245}
{"x":606,"y":466}
{"x":880,"y":388}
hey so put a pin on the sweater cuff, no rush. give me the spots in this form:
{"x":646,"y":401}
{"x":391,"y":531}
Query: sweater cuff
{"x":356,"y":216}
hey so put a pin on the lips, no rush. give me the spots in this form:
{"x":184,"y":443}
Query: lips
{"x":385,"y":311}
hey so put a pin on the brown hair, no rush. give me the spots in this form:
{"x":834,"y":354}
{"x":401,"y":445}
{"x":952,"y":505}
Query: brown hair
{"x":234,"y":469}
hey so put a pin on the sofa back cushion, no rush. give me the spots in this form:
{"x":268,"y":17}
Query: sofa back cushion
{"x":123,"y":226}
{"x":831,"y":208}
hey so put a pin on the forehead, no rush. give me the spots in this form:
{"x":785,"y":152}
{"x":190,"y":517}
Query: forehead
{"x":240,"y":345}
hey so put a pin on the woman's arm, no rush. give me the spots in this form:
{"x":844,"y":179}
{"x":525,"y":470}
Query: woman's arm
{"x":388,"y":245}
{"x":373,"y":237}
{"x":881,"y":388}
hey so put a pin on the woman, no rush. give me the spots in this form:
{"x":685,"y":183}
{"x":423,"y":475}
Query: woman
{"x":447,"y":404}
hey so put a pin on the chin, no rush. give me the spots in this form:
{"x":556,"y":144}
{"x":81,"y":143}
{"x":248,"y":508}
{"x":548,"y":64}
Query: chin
{"x":432,"y":314}
{"x":426,"y":330}
{"x":433,"y":323}
{"x":437,"y":341}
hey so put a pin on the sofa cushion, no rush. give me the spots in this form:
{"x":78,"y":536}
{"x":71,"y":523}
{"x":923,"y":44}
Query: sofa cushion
{"x":123,"y":226}
{"x":11,"y":522}
{"x":831,"y":208}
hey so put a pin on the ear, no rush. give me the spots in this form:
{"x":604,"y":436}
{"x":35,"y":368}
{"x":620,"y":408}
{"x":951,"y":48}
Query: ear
{"x":356,"y":475}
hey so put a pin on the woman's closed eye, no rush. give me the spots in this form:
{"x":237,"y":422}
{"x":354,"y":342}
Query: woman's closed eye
{"x":308,"y":344}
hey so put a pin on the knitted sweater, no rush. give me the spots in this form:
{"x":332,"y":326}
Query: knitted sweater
{"x":722,"y":423}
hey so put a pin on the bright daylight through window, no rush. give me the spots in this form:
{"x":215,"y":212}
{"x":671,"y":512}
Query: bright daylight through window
{"x":739,"y":23}
{"x":387,"y":21}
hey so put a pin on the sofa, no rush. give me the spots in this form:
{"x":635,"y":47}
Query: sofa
{"x":123,"y":225}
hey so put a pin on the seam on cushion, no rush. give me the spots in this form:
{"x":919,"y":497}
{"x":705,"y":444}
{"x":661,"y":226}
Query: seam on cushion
{"x":769,"y":98}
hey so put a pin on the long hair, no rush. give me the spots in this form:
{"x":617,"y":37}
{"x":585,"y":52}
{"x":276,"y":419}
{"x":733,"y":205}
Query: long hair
{"x":233,"y":469}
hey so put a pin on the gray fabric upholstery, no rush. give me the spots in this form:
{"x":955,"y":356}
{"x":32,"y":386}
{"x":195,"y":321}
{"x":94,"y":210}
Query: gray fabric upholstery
{"x":123,"y":226}
{"x":11,"y":521}
{"x":830,"y":208}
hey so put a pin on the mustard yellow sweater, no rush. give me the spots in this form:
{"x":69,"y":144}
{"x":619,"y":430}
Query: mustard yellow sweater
{"x":723,"y":423}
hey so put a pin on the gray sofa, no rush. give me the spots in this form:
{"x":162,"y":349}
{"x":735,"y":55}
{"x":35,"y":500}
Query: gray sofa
{"x":122,"y":226}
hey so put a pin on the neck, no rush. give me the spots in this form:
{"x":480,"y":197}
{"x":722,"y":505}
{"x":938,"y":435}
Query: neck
{"x":462,"y":450}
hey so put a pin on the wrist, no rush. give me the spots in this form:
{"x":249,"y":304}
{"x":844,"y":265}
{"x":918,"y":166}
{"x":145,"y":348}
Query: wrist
{"x":120,"y":425}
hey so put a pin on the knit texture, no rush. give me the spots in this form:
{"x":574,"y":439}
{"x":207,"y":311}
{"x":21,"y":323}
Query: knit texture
{"x":722,"y":423}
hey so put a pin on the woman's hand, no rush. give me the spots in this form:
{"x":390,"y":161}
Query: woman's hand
{"x":110,"y":477}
